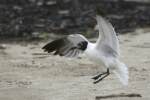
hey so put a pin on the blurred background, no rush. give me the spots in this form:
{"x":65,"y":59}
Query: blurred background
{"x":27,"y":73}
{"x":31,"y":18}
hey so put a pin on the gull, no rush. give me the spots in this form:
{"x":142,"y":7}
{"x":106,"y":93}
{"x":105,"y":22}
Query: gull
{"x":105,"y":51}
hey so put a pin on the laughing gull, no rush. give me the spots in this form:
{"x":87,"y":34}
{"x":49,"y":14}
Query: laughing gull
{"x":104,"y":52}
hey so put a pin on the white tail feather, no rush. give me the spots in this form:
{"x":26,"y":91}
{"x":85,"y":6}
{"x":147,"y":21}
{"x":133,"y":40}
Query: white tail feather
{"x":122,"y":73}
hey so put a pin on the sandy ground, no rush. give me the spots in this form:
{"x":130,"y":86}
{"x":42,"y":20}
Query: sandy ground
{"x":27,"y":75}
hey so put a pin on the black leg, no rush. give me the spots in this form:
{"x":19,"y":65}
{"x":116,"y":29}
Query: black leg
{"x":98,"y":76}
{"x":101,"y":78}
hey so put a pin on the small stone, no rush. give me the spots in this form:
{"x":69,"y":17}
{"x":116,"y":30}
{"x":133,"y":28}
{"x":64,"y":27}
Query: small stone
{"x":3,"y":46}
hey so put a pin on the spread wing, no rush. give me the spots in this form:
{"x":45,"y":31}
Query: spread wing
{"x":108,"y":41}
{"x":69,"y":46}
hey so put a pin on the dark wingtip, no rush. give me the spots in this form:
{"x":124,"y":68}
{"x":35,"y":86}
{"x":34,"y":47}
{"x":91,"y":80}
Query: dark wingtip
{"x":48,"y":47}
{"x":53,"y":46}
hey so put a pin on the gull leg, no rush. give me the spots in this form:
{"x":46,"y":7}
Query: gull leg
{"x":98,"y":76}
{"x":101,"y":78}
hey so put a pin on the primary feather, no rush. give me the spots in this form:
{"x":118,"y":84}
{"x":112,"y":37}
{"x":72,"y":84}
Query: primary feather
{"x":108,"y":40}
{"x":69,"y":46}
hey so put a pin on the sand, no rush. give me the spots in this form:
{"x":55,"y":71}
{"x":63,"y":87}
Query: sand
{"x":25,"y":74}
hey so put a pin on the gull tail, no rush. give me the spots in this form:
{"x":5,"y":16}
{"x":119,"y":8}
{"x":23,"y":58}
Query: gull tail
{"x":122,"y":73}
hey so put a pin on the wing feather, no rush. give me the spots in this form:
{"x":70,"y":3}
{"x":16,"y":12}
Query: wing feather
{"x":69,"y":46}
{"x":108,"y":41}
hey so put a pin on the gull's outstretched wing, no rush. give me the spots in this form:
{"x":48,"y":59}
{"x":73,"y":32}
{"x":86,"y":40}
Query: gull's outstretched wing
{"x":69,"y":46}
{"x":108,"y":41}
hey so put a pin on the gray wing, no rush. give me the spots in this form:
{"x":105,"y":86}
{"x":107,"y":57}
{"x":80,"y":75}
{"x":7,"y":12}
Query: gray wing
{"x":108,"y":41}
{"x":69,"y":46}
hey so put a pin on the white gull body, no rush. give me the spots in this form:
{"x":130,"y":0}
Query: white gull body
{"x":104,"y":52}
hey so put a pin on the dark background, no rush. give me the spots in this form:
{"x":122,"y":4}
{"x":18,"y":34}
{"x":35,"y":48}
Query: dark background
{"x":26,"y":18}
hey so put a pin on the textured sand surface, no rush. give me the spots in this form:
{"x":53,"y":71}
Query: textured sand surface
{"x":27,"y":75}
